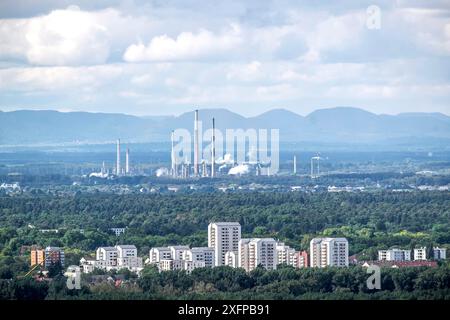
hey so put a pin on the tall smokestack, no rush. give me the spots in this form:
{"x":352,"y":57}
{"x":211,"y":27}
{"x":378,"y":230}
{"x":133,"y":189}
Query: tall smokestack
{"x":196,"y":153}
{"x":127,"y":161}
{"x":118,"y":158}
{"x":295,"y":165}
{"x":213,"y":149}
{"x":172,"y":155}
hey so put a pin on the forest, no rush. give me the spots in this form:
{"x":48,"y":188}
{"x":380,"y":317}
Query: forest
{"x":370,"y":221}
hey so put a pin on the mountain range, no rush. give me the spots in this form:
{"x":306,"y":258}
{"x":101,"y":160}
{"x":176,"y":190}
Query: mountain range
{"x":334,"y":125}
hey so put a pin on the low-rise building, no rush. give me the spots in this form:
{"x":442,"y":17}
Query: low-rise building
{"x":118,"y":231}
{"x":394,"y":255}
{"x":114,"y":258}
{"x":159,"y":253}
{"x":200,"y":254}
{"x":439,"y":253}
{"x":420,"y":253}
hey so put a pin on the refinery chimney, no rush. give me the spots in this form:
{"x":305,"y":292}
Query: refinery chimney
{"x":172,"y":156}
{"x":213,"y":149}
{"x":118,"y":158}
{"x":295,"y":165}
{"x":196,"y":153}
{"x":127,"y":161}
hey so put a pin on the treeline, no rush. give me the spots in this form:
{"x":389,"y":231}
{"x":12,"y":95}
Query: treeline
{"x":228,"y":283}
{"x":369,"y":220}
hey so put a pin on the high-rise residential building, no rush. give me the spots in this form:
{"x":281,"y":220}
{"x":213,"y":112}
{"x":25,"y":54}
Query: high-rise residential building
{"x":329,"y":252}
{"x":439,"y":253}
{"x":257,"y":252}
{"x":54,"y":255}
{"x":223,"y":237}
{"x":37,"y":256}
{"x":420,"y":253}
{"x":302,"y":259}
{"x":394,"y":255}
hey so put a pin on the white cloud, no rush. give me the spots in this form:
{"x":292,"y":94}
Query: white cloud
{"x":232,"y":55}
{"x":186,"y":46}
{"x":70,"y":36}
{"x":52,"y":79}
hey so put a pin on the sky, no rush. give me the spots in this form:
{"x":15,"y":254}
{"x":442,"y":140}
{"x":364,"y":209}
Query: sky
{"x":169,"y":57}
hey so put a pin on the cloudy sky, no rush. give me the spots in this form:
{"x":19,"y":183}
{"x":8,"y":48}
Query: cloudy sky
{"x":167,"y":57}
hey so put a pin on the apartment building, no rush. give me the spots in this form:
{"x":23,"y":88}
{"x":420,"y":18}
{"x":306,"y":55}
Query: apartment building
{"x":170,"y":264}
{"x":159,"y":253}
{"x":257,"y":252}
{"x":177,"y":252}
{"x":54,"y":255}
{"x":302,"y":259}
{"x":37,"y":256}
{"x":200,"y":254}
{"x":118,"y":257}
{"x":127,"y":257}
{"x":420,"y":253}
{"x":329,"y":252}
{"x":286,"y":255}
{"x":223,"y":237}
{"x":107,"y":256}
{"x":394,"y":255}
{"x":232,"y":259}
{"x":439,"y":253}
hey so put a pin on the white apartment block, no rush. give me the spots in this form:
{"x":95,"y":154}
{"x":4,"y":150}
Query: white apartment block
{"x":191,"y":265}
{"x":257,"y":252}
{"x":286,"y":255}
{"x":177,"y":251}
{"x":181,"y":258}
{"x":394,"y":255}
{"x":170,"y":264}
{"x":231,"y":259}
{"x":127,"y":257}
{"x":329,"y":252}
{"x":108,"y":256}
{"x":200,"y":254}
{"x":439,"y":253}
{"x":121,"y":256}
{"x":420,"y":253}
{"x":159,"y":253}
{"x":223,"y":237}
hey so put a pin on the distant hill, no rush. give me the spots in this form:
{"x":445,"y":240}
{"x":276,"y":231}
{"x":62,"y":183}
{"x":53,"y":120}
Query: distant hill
{"x":343,"y":125}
